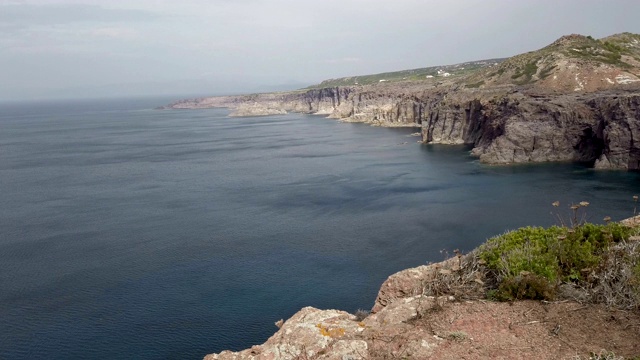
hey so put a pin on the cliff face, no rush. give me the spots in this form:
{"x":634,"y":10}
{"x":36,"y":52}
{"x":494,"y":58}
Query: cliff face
{"x":601,"y":129}
{"x":619,"y":130}
{"x":505,"y":125}
{"x":574,"y":100}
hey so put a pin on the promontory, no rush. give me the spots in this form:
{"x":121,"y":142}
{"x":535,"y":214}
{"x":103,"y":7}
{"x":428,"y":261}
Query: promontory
{"x":575,"y":100}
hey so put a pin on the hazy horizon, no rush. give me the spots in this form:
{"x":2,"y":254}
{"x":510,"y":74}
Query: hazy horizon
{"x":88,"y":49}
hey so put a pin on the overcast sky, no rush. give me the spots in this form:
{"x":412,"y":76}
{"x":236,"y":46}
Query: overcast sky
{"x":91,"y":48}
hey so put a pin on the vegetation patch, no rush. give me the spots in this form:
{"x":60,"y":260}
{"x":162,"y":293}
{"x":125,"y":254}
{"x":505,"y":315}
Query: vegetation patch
{"x":361,"y":314}
{"x":593,"y":263}
{"x":529,"y":263}
{"x":525,"y":74}
{"x":545,"y":72}
{"x":420,"y":74}
{"x":601,"y":51}
{"x":457,"y":336}
{"x":476,"y":84}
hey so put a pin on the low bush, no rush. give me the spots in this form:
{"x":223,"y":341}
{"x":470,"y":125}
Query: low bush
{"x":530,"y":262}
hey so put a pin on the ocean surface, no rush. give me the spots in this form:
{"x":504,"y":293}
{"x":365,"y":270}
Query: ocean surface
{"x":128,"y":232}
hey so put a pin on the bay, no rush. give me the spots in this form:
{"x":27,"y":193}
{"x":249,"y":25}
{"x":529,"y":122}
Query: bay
{"x":128,"y":232}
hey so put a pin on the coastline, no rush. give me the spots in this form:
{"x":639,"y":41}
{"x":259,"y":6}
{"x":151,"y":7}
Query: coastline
{"x":503,"y":125}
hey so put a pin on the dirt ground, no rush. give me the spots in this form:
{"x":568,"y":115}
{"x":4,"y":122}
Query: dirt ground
{"x":533,"y":330}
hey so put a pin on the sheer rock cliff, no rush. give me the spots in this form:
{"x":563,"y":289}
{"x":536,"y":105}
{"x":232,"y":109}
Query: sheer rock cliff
{"x":505,"y":125}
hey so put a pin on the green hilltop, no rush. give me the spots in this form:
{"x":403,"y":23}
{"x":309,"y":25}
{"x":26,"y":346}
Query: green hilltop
{"x":420,"y":74}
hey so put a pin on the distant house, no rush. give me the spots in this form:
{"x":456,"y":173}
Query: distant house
{"x":429,"y":76}
{"x":446,"y":74}
{"x":382,"y":80}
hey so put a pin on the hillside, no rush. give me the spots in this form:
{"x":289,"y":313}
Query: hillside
{"x":571,"y":63}
{"x":421,"y":74}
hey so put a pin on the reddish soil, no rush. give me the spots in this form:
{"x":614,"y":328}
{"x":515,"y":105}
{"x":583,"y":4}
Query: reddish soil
{"x":532,"y":330}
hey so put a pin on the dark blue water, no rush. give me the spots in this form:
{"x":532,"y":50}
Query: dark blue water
{"x":127,"y":232}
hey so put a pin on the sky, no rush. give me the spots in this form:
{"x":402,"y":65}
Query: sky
{"x":119,"y":48}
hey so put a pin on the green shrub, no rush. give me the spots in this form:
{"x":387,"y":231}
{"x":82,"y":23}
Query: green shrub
{"x":529,"y":262}
{"x":528,"y":286}
{"x":525,"y":249}
{"x":528,"y":71}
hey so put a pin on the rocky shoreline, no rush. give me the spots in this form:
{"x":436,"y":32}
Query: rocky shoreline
{"x":575,"y":100}
{"x":505,"y":125}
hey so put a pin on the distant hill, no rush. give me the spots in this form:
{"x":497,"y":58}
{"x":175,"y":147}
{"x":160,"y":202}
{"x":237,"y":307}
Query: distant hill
{"x":571,"y":63}
{"x":421,"y":74}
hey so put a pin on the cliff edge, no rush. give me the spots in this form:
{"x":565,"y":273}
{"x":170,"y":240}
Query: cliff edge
{"x":442,"y":310}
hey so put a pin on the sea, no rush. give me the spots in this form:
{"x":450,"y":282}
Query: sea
{"x":130,"y":232}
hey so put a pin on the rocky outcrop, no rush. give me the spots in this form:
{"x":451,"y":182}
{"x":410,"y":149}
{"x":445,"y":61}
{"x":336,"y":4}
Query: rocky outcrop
{"x":310,"y":333}
{"x":336,"y":335}
{"x":388,"y":332}
{"x":411,"y":282}
{"x":597,"y":129}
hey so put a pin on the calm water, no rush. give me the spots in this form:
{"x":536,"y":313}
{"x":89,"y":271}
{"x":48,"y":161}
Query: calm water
{"x":127,"y":232}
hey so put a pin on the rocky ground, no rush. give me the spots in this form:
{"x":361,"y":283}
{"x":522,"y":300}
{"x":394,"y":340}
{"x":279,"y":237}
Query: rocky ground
{"x":455,"y":330}
{"x":408,"y":326}
{"x":442,"y":311}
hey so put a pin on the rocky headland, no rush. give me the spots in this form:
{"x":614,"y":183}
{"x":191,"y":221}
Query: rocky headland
{"x":442,"y":311}
{"x":576,"y":100}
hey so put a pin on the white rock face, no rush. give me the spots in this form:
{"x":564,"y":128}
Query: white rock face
{"x":310,"y":333}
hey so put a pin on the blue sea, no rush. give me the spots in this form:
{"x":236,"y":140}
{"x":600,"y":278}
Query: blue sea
{"x":129,"y":232}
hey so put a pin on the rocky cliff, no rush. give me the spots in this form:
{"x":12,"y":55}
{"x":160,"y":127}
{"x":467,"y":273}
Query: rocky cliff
{"x":574,"y":100}
{"x":438,"y":311}
{"x":505,"y":125}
